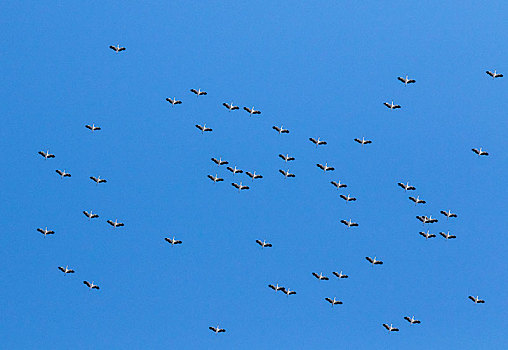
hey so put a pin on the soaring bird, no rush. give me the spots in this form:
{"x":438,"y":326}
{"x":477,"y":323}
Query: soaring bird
{"x":173,"y":101}
{"x":426,"y":219}
{"x":65,"y":269}
{"x":286,"y":173}
{"x":46,"y":154}
{"x":263,"y":243}
{"x":219,"y":161}
{"x":338,"y":184}
{"x":494,"y":75}
{"x":98,"y":179}
{"x":391,"y":105}
{"x":348,"y":198}
{"x":276,"y":287}
{"x":288,"y":291}
{"x":447,"y":235}
{"x":286,"y":157}
{"x":230,"y":106}
{"x":476,"y":300}
{"x":251,"y":110}
{"x":172,"y":241}
{"x":349,"y":223}
{"x":280,"y":129}
{"x":325,"y":167}
{"x":340,"y":275}
{"x":62,"y":173}
{"x":203,"y":128}
{"x":234,"y":170}
{"x":448,"y":214}
{"x":390,"y":328}
{"x":115,"y":223}
{"x":333,"y":301}
{"x":412,"y":320}
{"x":198,"y":92}
{"x":406,"y":186}
{"x":217,"y":329}
{"x":253,"y":175}
{"x":92,"y":127}
{"x":239,"y":186}
{"x":117,"y":48}
{"x":91,"y":285}
{"x":363,"y":141}
{"x":317,"y":142}
{"x":427,"y":235}
{"x":215,"y":178}
{"x":90,"y":215}
{"x":406,"y":80}
{"x":320,"y":276}
{"x":46,"y":231}
{"x":374,"y":261}
{"x":480,"y":152}
{"x":417,"y":200}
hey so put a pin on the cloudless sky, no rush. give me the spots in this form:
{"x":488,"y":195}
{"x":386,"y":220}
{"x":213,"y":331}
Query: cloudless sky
{"x":320,"y":68}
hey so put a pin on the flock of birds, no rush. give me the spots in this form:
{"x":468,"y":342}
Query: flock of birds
{"x":287,"y":174}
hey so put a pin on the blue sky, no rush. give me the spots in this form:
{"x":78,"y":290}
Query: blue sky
{"x":323,"y":69}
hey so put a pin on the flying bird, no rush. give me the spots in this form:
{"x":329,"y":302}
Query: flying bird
{"x":447,"y":235}
{"x":374,"y":261}
{"x":239,"y":186}
{"x":46,"y":154}
{"x":494,"y":75}
{"x":251,"y":110}
{"x":117,"y":48}
{"x":198,"y":92}
{"x":412,"y":320}
{"x":63,"y":173}
{"x":391,"y":105}
{"x":348,"y":198}
{"x":98,"y":179}
{"x":91,"y":285}
{"x":276,"y":287}
{"x":427,"y":235}
{"x":349,"y":223}
{"x":90,"y":215}
{"x":115,"y":223}
{"x":363,"y":141}
{"x":406,"y":80}
{"x":203,"y":128}
{"x":325,"y":167}
{"x":263,"y":243}
{"x":333,"y":301}
{"x":320,"y":276}
{"x":286,"y":157}
{"x":230,"y":106}
{"x":390,"y":328}
{"x":172,"y":241}
{"x":338,"y":184}
{"x":280,"y":129}
{"x":426,"y":219}
{"x":448,"y":214}
{"x":215,"y":178}
{"x":317,"y":142}
{"x":417,"y":200}
{"x":253,"y":175}
{"x":65,"y":269}
{"x":406,"y":186}
{"x":92,"y":127}
{"x":286,"y":173}
{"x":173,"y":101}
{"x":217,"y":330}
{"x":219,"y":161}
{"x":234,"y":170}
{"x":46,"y":231}
{"x":476,"y":300}
{"x":288,"y":291}
{"x":340,"y":275}
{"x":480,"y":152}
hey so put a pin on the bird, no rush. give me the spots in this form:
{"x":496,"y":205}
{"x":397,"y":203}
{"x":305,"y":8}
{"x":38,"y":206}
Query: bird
{"x":406,"y":186}
{"x":325,"y":167}
{"x":173,"y":101}
{"x":320,"y":276}
{"x":90,"y":215}
{"x":115,"y":223}
{"x":494,"y":75}
{"x":239,"y":186}
{"x":349,"y":223}
{"x":448,"y":214}
{"x":333,"y":301}
{"x":92,"y":127}
{"x":391,"y":105}
{"x":476,"y":300}
{"x":234,"y":170}
{"x":286,"y":157}
{"x":317,"y":142}
{"x":215,"y":178}
{"x":276,"y":287}
{"x":198,"y":92}
{"x":340,"y":275}
{"x":46,"y":231}
{"x":363,"y":141}
{"x":406,"y":80}
{"x":117,"y":48}
{"x":98,"y":179}
{"x":280,"y":129}
{"x":288,"y":291}
{"x":390,"y":328}
{"x":417,"y":200}
{"x":46,"y":154}
{"x":374,"y":261}
{"x":263,"y":243}
{"x":447,"y":235}
{"x":62,"y":173}
{"x":219,"y":161}
{"x":286,"y":173}
{"x":172,"y":241}
{"x":65,"y":269}
{"x":338,"y":184}
{"x":203,"y":128}
{"x":230,"y":106}
{"x":427,"y":235}
{"x":426,"y":219}
{"x":411,"y":320}
{"x":253,"y":175}
{"x":217,"y":329}
{"x":251,"y":110}
{"x":91,"y":285}
{"x":348,"y":198}
{"x":480,"y":152}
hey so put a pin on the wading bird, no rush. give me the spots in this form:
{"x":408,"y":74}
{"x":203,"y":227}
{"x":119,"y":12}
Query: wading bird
{"x":217,"y":330}
{"x":46,"y":154}
{"x":333,"y":301}
{"x":203,"y":128}
{"x":115,"y":223}
{"x":46,"y":231}
{"x":280,"y":129}
{"x":494,"y":74}
{"x":92,"y":127}
{"x":363,"y":141}
{"x":286,"y":157}
{"x":198,"y":92}
{"x":251,"y":110}
{"x":172,"y":241}
{"x":480,"y":152}
{"x":325,"y":167}
{"x":219,"y":161}
{"x":286,"y":173}
{"x":348,"y":198}
{"x":253,"y":175}
{"x":234,"y":170}
{"x":65,"y":269}
{"x":426,"y":219}
{"x":476,"y":300}
{"x":317,"y":142}
{"x":406,"y":80}
{"x":340,"y":275}
{"x":447,"y":235}
{"x":90,"y":215}
{"x":412,"y":320}
{"x":239,"y":186}
{"x":320,"y":276}
{"x":215,"y":178}
{"x":374,"y":261}
{"x":98,"y":179}
{"x":390,"y":328}
{"x":230,"y":106}
{"x":427,"y":235}
{"x":338,"y":184}
{"x":263,"y":243}
{"x":173,"y":101}
{"x":288,"y":291}
{"x":391,"y":105}
{"x":349,"y":223}
{"x":417,"y":200}
{"x":276,"y":287}
{"x":448,"y":214}
{"x":117,"y":48}
{"x":406,"y":186}
{"x":62,"y":173}
{"x":91,"y":285}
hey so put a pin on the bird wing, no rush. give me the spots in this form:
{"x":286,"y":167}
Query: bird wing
{"x":343,"y":197}
{"x":407,"y":318}
{"x":103,"y":180}
{"x":330,"y":168}
{"x":386,"y":326}
{"x":235,"y":185}
{"x":268,"y":245}
{"x":395,"y":330}
{"x":87,"y":283}
{"x":315,"y":275}
{"x":416,"y":321}
{"x":93,"y":178}
{"x":194,"y":91}
{"x":282,"y":172}
{"x":276,"y":128}
{"x":329,"y":300}
{"x":211,"y":177}
{"x":369,"y":259}
{"x":88,"y":127}
{"x":490,"y":73}
{"x":272,"y":286}
{"x":245,"y":187}
{"x":120,"y":224}
{"x":259,"y":242}
{"x":249,"y":174}
{"x":312,"y":140}
{"x":378,"y":262}
{"x":58,"y":172}
{"x":387,"y":104}
{"x":61,"y":268}
{"x":401,"y":79}
{"x":226,"y":105}
{"x":111,"y":223}
{"x":247,"y":109}
{"x":112,"y":47}
{"x":412,"y":199}
{"x":358,"y":140}
{"x":211,"y":328}
{"x":411,"y":81}
{"x":320,"y":166}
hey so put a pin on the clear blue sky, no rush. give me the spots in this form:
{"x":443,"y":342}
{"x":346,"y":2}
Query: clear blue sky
{"x":321,"y":68}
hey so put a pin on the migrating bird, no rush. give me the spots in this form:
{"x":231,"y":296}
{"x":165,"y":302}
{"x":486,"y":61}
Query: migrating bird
{"x":286,"y":173}
{"x":253,"y":175}
{"x":276,"y":287}
{"x":263,"y":244}
{"x":348,"y":198}
{"x":406,"y":186}
{"x":117,"y":48}
{"x":363,"y":141}
{"x":286,"y":157}
{"x":390,"y":328}
{"x":417,"y":200}
{"x":203,"y":128}
{"x":280,"y":130}
{"x":198,"y":92}
{"x":333,"y":301}
{"x":90,"y":215}
{"x":239,"y":186}
{"x":476,"y":300}
{"x":217,"y":329}
{"x":46,"y":154}
{"x":320,"y":276}
{"x":406,"y":80}
{"x":448,"y":214}
{"x":65,"y":270}
{"x":219,"y":161}
{"x":288,"y":291}
{"x":215,"y":178}
{"x":340,"y":275}
{"x":374,"y":261}
{"x":230,"y":106}
{"x":115,"y":223}
{"x":92,"y":127}
{"x":251,"y":110}
{"x":62,"y":173}
{"x":494,"y":75}
{"x":391,"y":105}
{"x":427,"y":235}
{"x":349,"y":223}
{"x":172,"y":241}
{"x":234,"y":170}
{"x":325,"y":167}
{"x":98,"y":179}
{"x":426,"y":219}
{"x":411,"y":320}
{"x":480,"y":152}
{"x":91,"y":285}
{"x":173,"y":101}
{"x":447,"y":235}
{"x":317,"y":142}
{"x":45,"y":231}
{"x":338,"y":184}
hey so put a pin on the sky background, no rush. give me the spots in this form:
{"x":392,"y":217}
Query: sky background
{"x":320,"y":68}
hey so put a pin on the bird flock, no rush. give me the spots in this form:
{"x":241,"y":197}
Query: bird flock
{"x":286,"y":173}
